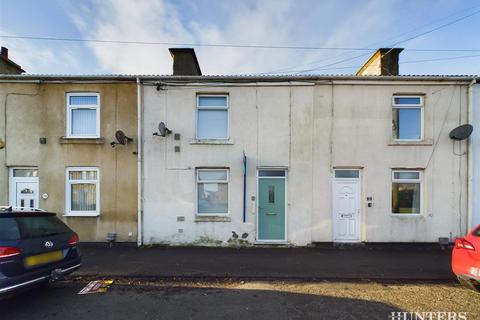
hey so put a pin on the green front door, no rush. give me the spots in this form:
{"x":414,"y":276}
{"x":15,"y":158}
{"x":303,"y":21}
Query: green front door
{"x":271,"y":209}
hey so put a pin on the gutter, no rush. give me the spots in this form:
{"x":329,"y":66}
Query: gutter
{"x":231,"y":78}
{"x":36,"y":81}
{"x":139,"y":165}
{"x":286,"y":78}
{"x":65,"y":78}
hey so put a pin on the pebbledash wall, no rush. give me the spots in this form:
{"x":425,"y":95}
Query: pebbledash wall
{"x":34,"y":107}
{"x":310,"y":127}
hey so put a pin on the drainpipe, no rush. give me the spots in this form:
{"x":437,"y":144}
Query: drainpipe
{"x":139,"y":165}
{"x":472,"y":180}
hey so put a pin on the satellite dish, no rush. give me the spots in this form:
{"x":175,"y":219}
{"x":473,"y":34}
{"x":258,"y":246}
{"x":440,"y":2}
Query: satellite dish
{"x":163,"y":130}
{"x":462,"y":132}
{"x":121,"y":139}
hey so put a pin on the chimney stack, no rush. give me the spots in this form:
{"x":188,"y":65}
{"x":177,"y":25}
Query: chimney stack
{"x":7,"y":66}
{"x":384,"y":62}
{"x":185,"y":62}
{"x":4,"y":53}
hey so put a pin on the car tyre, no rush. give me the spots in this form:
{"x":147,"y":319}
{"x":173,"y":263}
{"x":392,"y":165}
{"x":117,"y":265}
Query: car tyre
{"x":469,"y":284}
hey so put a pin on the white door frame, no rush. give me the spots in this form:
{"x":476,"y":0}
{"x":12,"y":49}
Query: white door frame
{"x":12,"y":197}
{"x":359,"y":203}
{"x":285,"y":178}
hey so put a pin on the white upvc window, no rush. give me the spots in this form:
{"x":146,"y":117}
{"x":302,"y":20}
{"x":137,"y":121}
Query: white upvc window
{"x":83,"y":115}
{"x":82,"y":191}
{"x":407,"y":118}
{"x":212,"y":117}
{"x":212,"y":192}
{"x":407,"y":188}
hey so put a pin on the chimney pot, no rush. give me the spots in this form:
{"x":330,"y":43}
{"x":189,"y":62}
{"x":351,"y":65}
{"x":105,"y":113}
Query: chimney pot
{"x":4,"y":52}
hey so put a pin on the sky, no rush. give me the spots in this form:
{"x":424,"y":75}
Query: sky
{"x":312,"y":23}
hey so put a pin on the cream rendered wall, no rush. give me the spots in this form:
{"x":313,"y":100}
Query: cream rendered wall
{"x":361,"y":138}
{"x":310,"y":129}
{"x":259,"y":125}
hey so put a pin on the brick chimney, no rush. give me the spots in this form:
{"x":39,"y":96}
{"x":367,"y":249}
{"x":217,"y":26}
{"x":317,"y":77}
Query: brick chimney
{"x":384,"y":62}
{"x":185,"y":62}
{"x":4,"y":52}
{"x":7,"y":66}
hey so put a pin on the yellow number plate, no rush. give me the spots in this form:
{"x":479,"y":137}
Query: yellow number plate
{"x":43,"y":258}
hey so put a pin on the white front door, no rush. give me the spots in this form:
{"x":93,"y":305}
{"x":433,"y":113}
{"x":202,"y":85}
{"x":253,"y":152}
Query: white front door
{"x":24,"y":187}
{"x":27,"y":194}
{"x":346,"y":206}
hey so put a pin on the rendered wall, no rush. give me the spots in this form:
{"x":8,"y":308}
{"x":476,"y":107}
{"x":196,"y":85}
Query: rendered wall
{"x":310,"y":129}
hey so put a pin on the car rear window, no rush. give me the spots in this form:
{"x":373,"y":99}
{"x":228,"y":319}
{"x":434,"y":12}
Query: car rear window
{"x":30,"y":227}
{"x":476,"y":232}
{"x":9,"y":229}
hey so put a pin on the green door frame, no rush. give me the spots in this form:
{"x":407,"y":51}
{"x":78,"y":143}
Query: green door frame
{"x":285,"y":179}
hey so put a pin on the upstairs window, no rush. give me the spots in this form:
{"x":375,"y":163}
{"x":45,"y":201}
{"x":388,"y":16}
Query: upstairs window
{"x":407,"y":118}
{"x":212,"y":117}
{"x":83,"y":115}
{"x":406,"y":192}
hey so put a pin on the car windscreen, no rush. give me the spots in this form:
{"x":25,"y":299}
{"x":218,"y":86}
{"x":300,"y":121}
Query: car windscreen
{"x":30,"y":227}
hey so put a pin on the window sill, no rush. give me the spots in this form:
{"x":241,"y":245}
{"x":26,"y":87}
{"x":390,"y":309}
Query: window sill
{"x":406,"y":215}
{"x":212,"y":141}
{"x":81,"y":215}
{"x":65,"y":140}
{"x":212,"y":219}
{"x":426,"y":142}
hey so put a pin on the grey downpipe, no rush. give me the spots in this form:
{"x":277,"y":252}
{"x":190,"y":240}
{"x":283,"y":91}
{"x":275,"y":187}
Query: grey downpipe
{"x":139,"y":166}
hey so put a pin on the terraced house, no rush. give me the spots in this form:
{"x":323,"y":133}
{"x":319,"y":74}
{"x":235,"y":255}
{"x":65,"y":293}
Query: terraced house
{"x":55,"y":150}
{"x":192,"y":159}
{"x":302,"y":159}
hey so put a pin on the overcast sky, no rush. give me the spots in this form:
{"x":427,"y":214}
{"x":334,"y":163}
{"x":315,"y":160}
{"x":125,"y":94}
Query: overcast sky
{"x":318,"y":23}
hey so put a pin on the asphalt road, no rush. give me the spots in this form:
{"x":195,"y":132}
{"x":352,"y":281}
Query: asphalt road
{"x":239,"y":300}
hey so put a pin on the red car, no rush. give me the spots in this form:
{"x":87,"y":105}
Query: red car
{"x":466,"y":259}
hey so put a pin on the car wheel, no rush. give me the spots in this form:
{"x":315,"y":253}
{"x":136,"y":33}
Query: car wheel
{"x":469,"y":284}
{"x":476,"y":285}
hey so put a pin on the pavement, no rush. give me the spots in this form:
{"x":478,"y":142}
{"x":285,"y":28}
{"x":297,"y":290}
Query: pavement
{"x":404,"y":262}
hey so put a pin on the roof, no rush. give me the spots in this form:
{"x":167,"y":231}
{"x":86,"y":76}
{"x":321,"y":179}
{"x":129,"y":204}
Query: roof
{"x":229,"y":78}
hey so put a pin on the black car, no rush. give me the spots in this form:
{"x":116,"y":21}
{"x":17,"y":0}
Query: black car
{"x":35,"y":247}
